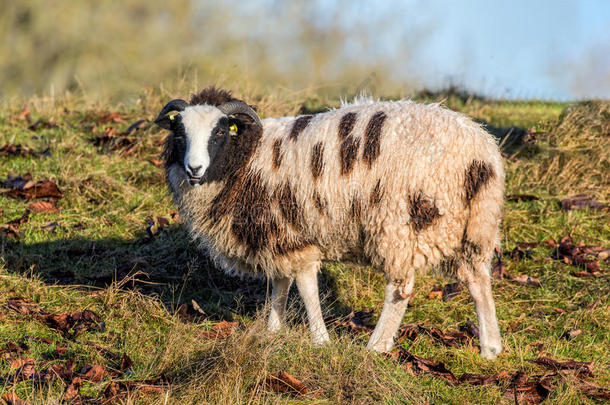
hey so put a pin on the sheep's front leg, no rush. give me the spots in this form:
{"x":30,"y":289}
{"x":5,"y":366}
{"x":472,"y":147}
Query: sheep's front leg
{"x":307,"y":283}
{"x":394,"y":306}
{"x":479,"y":285}
{"x":279,"y":295}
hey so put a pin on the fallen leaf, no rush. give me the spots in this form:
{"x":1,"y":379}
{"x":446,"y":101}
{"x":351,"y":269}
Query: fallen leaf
{"x":524,"y":279}
{"x":13,"y":399}
{"x":21,"y":220}
{"x":126,"y":363}
{"x":571,"y":334}
{"x":356,"y":322}
{"x":30,"y":190}
{"x":421,"y":364}
{"x":157,"y":163}
{"x":583,"y":368}
{"x":582,"y":201}
{"x":12,"y":150}
{"x":50,"y":227}
{"x":521,"y":197}
{"x":10,"y":231}
{"x":470,"y":329}
{"x":284,"y":383}
{"x":72,"y":392}
{"x":43,"y":206}
{"x":95,"y":373}
{"x":451,"y":291}
{"x":436,"y":293}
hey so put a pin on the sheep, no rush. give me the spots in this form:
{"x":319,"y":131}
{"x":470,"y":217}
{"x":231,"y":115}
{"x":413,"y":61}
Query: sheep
{"x":398,"y":185}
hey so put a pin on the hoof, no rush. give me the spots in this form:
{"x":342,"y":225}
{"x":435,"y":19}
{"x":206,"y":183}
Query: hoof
{"x":490,"y":352}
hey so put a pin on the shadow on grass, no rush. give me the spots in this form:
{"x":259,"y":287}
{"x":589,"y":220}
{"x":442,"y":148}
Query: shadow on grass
{"x":167,"y":266}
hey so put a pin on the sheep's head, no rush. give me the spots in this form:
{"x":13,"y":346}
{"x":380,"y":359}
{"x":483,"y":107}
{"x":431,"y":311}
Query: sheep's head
{"x":201,"y":133}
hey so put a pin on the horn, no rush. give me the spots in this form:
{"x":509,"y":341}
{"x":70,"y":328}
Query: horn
{"x":239,"y":107}
{"x":174,"y":105}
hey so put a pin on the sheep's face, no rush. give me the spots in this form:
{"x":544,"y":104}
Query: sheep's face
{"x":199,"y":133}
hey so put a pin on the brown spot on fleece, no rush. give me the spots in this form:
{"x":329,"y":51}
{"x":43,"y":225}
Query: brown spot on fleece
{"x":423,"y":212}
{"x":376,"y":194}
{"x":372,"y":137}
{"x":478,"y":175}
{"x":319,"y":202}
{"x":299,"y":125}
{"x":356,"y":208}
{"x":277,"y":153}
{"x":317,"y":160}
{"x":348,"y":150}
{"x":289,"y":207}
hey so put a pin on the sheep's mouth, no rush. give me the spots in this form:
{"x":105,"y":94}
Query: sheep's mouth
{"x":195,"y":181}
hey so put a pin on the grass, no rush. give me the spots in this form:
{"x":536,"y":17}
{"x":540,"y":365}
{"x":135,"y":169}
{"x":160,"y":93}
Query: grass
{"x":101,"y":258}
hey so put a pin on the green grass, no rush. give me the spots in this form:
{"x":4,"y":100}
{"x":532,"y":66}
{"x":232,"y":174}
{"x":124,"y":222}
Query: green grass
{"x":100,"y":258}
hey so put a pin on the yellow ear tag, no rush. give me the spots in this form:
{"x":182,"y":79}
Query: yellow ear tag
{"x":233,"y":128}
{"x":171,"y":116}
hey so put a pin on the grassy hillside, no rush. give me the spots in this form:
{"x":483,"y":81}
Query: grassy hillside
{"x":113,"y":244}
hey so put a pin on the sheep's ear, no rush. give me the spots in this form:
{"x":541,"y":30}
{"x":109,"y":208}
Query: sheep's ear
{"x":166,"y":121}
{"x":168,"y":114}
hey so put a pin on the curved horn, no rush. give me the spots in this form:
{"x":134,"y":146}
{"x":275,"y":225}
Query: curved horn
{"x":174,"y":105}
{"x":239,"y":107}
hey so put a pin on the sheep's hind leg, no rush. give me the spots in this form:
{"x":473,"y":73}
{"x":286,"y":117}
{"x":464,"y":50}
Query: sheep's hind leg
{"x":394,"y":306}
{"x":307,"y":283}
{"x":279,"y":295}
{"x":479,"y":285}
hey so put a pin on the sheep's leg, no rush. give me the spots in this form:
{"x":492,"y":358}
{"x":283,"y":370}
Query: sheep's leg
{"x":394,"y":306}
{"x":479,"y":285}
{"x":279,"y":295}
{"x":307,"y":283}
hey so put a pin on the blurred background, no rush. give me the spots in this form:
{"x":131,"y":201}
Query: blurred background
{"x":114,"y":50}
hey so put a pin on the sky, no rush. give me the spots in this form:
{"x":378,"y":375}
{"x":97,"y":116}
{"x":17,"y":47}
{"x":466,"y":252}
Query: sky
{"x":556,"y":49}
{"x":532,"y":49}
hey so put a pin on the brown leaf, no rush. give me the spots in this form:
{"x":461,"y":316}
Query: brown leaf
{"x":20,"y":362}
{"x":451,"y":291}
{"x":21,"y":220}
{"x":72,"y":393}
{"x":436,"y":293}
{"x":521,"y":197}
{"x":50,"y":227}
{"x":356,"y":322}
{"x":30,"y":190}
{"x":580,"y":202}
{"x":43,"y":206}
{"x":114,"y":117}
{"x":23,"y":305}
{"x":284,"y":383}
{"x":11,"y":150}
{"x":524,"y":279}
{"x":571,"y":334}
{"x":10,"y":231}
{"x":95,"y":373}
{"x":13,"y":399}
{"x":421,"y":364}
{"x":126,"y":363}
{"x":221,"y":330}
{"x":470,"y":329}
{"x":156,"y":163}
{"x":71,"y":324}
{"x":583,"y":368}
{"x":593,"y":390}
{"x":150,"y":389}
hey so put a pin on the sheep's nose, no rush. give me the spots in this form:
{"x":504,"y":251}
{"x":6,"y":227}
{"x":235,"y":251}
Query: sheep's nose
{"x":194,"y":170}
